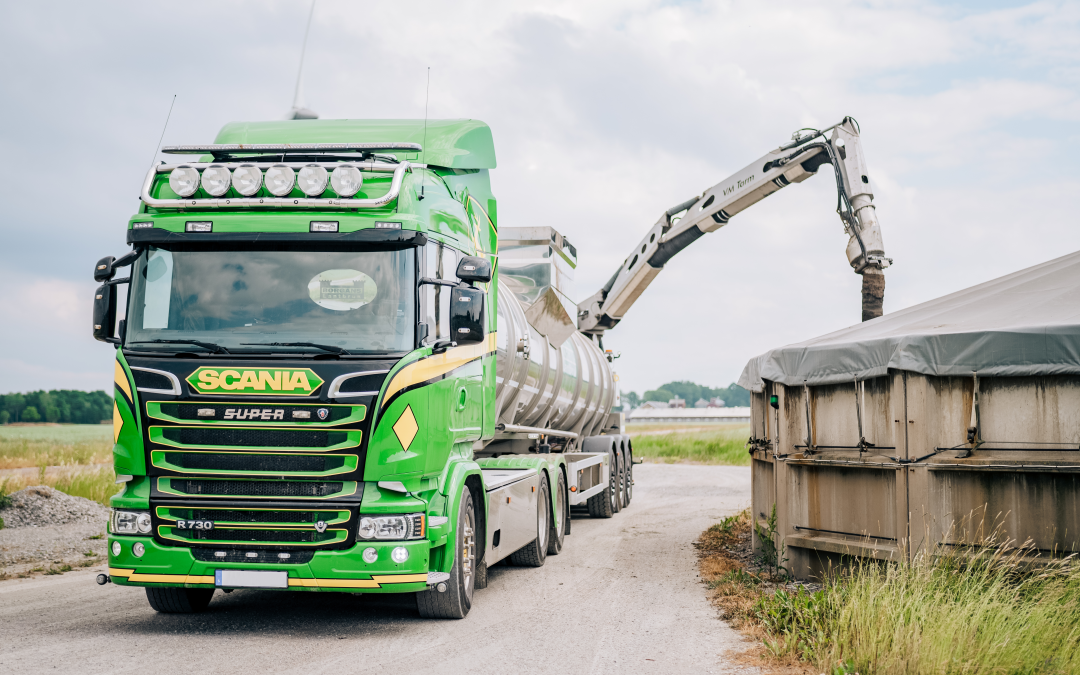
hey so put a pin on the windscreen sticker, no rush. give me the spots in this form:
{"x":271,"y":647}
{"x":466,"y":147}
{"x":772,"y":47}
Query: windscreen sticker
{"x":342,"y":290}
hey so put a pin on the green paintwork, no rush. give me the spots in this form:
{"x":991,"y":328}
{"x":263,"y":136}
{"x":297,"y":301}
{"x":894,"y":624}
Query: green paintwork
{"x":160,"y":459}
{"x":352,"y":440}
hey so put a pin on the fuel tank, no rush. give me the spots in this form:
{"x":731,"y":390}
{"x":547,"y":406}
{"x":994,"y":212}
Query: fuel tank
{"x":548,"y":375}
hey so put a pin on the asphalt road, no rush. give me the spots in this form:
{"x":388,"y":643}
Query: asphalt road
{"x":622,"y":597}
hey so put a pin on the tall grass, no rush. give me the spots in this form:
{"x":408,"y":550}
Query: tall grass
{"x":724,"y":445}
{"x":65,"y":445}
{"x":93,"y":484}
{"x":975,"y":610}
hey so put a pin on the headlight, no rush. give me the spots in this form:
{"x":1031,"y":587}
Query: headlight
{"x":130,"y":522}
{"x":347,"y":180}
{"x":184,"y":181}
{"x":216,"y":180}
{"x":280,"y":180}
{"x":392,"y":527}
{"x":312,"y":180}
{"x":247,"y":180}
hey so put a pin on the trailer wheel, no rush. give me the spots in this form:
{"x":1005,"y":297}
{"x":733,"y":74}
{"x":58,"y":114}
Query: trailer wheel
{"x":456,"y":600}
{"x":616,"y":482}
{"x":624,"y":480}
{"x":171,"y":600}
{"x":535,"y":553}
{"x":629,"y":490}
{"x":562,"y":507}
{"x":601,"y":505}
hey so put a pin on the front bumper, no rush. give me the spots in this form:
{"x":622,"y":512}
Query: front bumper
{"x":341,"y":570}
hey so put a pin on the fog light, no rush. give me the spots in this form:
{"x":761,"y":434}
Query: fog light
{"x":347,"y":180}
{"x":216,"y":180}
{"x":399,"y":554}
{"x":116,"y":548}
{"x":312,"y":180}
{"x":138,"y":549}
{"x":143,"y":523}
{"x":184,"y":181}
{"x":371,"y":555}
{"x":247,"y":179}
{"x":280,"y":180}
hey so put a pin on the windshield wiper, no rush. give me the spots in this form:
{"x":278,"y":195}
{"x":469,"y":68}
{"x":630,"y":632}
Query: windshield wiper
{"x":326,"y":348}
{"x":210,"y":346}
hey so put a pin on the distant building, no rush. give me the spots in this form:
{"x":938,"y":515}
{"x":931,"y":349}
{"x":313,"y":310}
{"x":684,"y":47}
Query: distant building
{"x":701,"y":403}
{"x":676,"y":403}
{"x":723,"y":415}
{"x":647,"y":405}
{"x":715,"y":402}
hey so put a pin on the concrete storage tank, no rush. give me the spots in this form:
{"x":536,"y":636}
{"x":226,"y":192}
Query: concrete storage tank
{"x":932,"y":425}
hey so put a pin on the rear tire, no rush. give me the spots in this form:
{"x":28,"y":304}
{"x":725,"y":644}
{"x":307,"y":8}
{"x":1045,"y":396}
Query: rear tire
{"x":562,"y":508}
{"x":602,"y":505}
{"x":629,"y":475}
{"x":456,"y":601}
{"x":171,"y":600}
{"x":535,"y":553}
{"x":624,"y":482}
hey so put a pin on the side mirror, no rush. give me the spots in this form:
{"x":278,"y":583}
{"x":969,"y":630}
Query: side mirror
{"x":105,"y":313}
{"x":104,"y":269}
{"x":471,"y":269}
{"x":467,"y":315}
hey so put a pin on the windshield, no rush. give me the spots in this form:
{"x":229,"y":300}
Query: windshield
{"x":360,"y":301}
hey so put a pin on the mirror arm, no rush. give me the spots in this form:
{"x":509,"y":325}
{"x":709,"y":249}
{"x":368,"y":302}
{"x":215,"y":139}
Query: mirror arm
{"x":437,"y":282}
{"x":442,"y":345}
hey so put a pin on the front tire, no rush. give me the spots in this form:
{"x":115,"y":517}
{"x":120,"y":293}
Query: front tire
{"x":456,"y":601}
{"x":535,"y":553}
{"x":171,"y":600}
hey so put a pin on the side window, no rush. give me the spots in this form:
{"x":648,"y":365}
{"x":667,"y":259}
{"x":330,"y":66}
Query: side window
{"x":440,"y":263}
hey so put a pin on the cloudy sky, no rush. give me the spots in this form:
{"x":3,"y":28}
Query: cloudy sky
{"x":605,"y":113}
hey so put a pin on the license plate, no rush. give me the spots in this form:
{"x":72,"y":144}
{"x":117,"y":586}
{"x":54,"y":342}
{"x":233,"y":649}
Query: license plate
{"x":194,"y":524}
{"x":251,"y":579}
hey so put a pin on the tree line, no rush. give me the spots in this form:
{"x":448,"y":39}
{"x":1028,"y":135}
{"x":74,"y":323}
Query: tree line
{"x":65,"y":406}
{"x":732,"y":395}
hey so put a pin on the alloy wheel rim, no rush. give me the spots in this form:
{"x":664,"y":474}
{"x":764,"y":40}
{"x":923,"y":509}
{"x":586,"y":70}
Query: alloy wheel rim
{"x":468,"y":553}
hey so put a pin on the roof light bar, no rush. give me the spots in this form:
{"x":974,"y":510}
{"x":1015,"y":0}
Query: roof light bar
{"x":286,"y":148}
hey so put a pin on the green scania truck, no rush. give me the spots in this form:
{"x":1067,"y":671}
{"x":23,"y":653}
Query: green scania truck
{"x":335,"y":372}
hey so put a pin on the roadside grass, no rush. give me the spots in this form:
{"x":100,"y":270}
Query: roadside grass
{"x":66,"y":445}
{"x":970,"y":609}
{"x":96,"y":484}
{"x":725,"y":444}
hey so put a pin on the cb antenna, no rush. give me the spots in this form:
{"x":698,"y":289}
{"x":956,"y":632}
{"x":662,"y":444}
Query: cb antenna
{"x":158,"y":146}
{"x":299,"y":112}
{"x":423,"y":148}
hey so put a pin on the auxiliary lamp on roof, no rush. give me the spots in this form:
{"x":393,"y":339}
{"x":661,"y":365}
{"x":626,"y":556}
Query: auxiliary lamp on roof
{"x":184,"y":181}
{"x":312,"y":180}
{"x":216,"y":180}
{"x":247,"y":179}
{"x":280,"y":180}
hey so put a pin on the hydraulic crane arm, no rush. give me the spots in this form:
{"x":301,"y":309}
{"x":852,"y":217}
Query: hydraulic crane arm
{"x":791,"y":163}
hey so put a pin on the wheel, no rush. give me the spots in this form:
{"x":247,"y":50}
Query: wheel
{"x":179,"y":600}
{"x":534,"y":554}
{"x":624,"y":479}
{"x":602,"y":505}
{"x":455,"y":601}
{"x":562,"y":508}
{"x":616,"y":482}
{"x":629,"y":490}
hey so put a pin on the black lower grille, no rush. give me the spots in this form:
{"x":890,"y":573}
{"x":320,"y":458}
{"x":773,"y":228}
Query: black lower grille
{"x":238,"y":462}
{"x":255,"y":438}
{"x":237,"y":555}
{"x":245,"y":516}
{"x":255,"y":488}
{"x":289,"y":536}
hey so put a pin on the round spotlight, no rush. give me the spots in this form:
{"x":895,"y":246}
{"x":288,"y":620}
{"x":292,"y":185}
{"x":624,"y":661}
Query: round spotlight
{"x":184,"y":181}
{"x":280,"y":180}
{"x":247,"y":179}
{"x":367,"y":528}
{"x":216,"y":179}
{"x":399,"y":554}
{"x":370,"y":555}
{"x":138,"y":549}
{"x":143,"y":523}
{"x":347,"y":180}
{"x":312,"y":180}
{"x":115,"y":548}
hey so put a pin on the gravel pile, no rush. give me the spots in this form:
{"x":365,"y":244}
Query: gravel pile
{"x":42,"y":506}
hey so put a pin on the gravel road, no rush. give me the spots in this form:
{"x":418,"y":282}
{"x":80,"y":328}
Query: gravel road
{"x":622,"y":597}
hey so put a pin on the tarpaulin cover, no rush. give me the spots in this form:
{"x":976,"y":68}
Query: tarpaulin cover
{"x":1025,"y":323}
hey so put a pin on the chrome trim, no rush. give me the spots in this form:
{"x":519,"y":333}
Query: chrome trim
{"x":287,"y":147}
{"x":272,"y":202}
{"x":175,"y":391}
{"x":334,"y":391}
{"x":517,"y":429}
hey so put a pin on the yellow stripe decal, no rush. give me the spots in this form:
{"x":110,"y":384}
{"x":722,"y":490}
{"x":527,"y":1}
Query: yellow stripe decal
{"x":120,"y":377}
{"x":376,"y":581}
{"x":440,"y":364}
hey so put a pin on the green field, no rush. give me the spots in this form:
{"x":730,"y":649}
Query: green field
{"x":75,"y":448}
{"x":718,"y":444}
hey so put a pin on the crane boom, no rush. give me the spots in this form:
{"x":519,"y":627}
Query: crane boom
{"x":791,"y":163}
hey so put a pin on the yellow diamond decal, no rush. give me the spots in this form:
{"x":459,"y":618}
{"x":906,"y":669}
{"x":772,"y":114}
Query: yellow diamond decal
{"x":405,"y":428}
